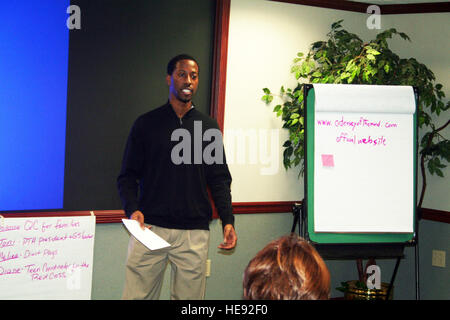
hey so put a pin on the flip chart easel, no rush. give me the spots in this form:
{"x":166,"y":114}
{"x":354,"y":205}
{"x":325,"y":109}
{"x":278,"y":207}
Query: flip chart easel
{"x":360,"y":171}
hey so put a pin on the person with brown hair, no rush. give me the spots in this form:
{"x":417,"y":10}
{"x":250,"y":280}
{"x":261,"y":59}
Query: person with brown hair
{"x":288,"y":268}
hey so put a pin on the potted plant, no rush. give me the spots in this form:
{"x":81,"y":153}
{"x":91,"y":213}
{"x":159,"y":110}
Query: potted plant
{"x":358,"y":290}
{"x":343,"y":58}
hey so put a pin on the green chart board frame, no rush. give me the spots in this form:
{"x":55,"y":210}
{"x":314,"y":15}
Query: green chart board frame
{"x":308,"y":207}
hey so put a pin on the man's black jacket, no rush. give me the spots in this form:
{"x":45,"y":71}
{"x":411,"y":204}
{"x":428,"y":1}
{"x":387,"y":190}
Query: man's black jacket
{"x":173,"y":195}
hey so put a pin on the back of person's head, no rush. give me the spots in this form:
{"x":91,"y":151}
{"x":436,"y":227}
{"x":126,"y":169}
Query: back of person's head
{"x":288,"y":268}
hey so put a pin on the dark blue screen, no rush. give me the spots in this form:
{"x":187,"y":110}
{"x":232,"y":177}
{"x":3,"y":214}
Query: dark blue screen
{"x":34,"y":41}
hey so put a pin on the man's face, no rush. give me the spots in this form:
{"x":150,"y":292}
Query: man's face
{"x":183,"y":82}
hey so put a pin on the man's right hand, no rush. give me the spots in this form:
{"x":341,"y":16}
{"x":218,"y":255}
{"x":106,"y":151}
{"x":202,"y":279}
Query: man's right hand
{"x":139,"y":217}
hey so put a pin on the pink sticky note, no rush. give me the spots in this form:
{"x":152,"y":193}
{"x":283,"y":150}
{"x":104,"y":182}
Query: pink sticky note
{"x":327,"y":160}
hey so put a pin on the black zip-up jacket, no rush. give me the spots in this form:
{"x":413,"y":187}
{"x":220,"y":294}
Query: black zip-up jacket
{"x":172,"y":195}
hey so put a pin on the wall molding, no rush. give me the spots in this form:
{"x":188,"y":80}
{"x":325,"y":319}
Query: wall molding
{"x":101,"y":216}
{"x":331,"y":4}
{"x":263,"y":207}
{"x":436,"y":215}
{"x":219,"y":73}
{"x":407,"y":8}
{"x":436,"y":7}
{"x":116,"y":216}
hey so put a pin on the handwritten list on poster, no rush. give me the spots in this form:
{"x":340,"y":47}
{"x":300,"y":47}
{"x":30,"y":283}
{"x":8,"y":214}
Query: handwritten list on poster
{"x":364,"y":159}
{"x":46,"y":258}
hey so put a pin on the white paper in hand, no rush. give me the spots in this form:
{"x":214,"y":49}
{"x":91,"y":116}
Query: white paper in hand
{"x":147,"y":237}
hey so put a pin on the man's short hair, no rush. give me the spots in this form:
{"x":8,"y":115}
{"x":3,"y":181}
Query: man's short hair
{"x":173,"y":62}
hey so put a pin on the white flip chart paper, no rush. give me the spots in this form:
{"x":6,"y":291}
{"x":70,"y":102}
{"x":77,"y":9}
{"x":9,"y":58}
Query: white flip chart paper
{"x":46,"y":258}
{"x":147,"y":237}
{"x":364,"y":159}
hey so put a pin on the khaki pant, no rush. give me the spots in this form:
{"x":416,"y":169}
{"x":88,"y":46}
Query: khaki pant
{"x":187,"y":255}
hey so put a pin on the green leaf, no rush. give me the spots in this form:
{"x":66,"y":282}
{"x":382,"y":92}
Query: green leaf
{"x":305,"y":67}
{"x":317,"y":45}
{"x":345,"y":75}
{"x":350,"y":79}
{"x":295,"y":68}
{"x":267,"y":98}
{"x":288,"y":151}
{"x":431,"y":167}
{"x":350,"y":65}
{"x":439,"y":172}
{"x":336,"y":24}
{"x":373,"y":52}
{"x":404,"y":36}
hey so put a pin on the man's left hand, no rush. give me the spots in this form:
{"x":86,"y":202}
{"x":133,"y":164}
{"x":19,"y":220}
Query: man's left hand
{"x":229,"y":238}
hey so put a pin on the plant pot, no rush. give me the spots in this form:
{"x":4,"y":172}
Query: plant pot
{"x":355,"y":293}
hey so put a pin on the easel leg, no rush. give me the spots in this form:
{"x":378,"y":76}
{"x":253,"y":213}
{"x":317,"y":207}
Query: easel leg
{"x":296,"y":214}
{"x":299,"y":217}
{"x":391,"y":284}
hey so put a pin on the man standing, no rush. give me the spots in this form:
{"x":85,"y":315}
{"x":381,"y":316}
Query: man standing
{"x":171,"y":197}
